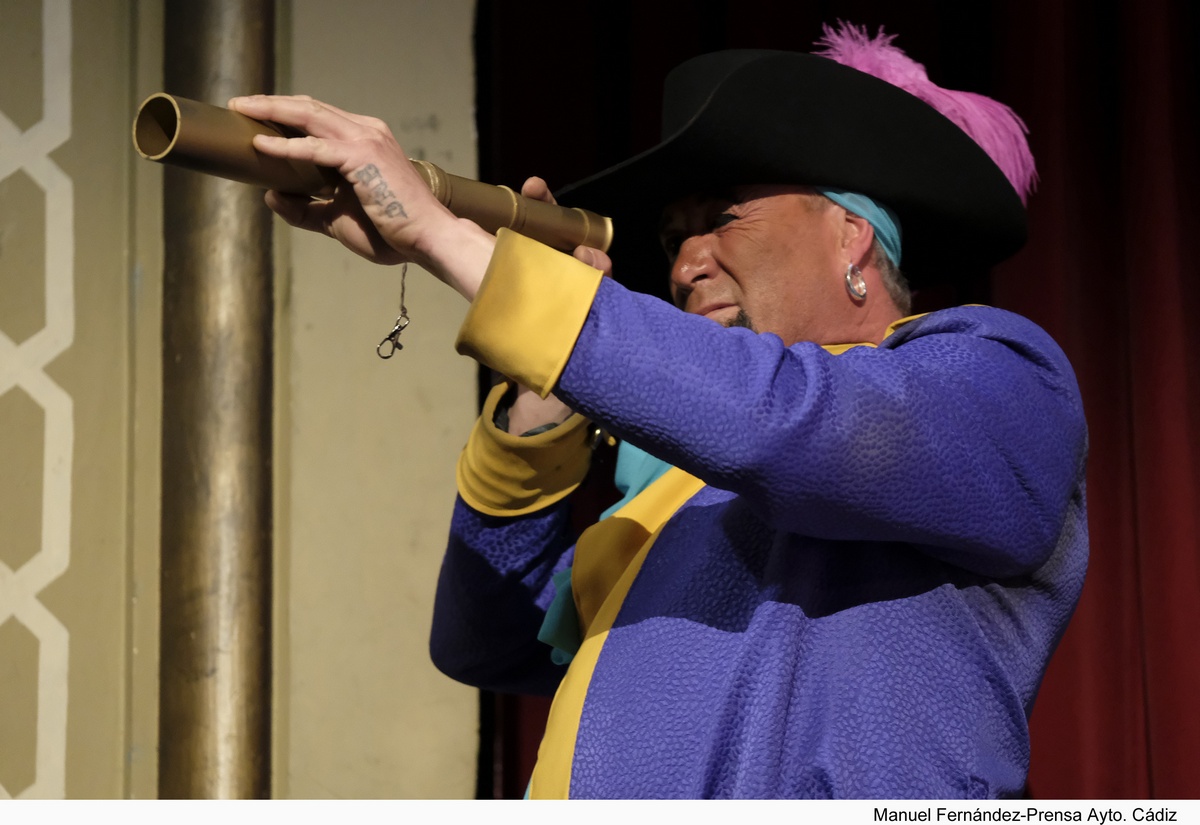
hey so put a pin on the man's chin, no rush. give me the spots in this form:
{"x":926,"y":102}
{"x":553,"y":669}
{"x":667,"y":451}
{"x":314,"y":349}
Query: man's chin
{"x":740,"y":320}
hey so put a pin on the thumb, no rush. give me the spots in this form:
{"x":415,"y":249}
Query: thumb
{"x":536,"y":189}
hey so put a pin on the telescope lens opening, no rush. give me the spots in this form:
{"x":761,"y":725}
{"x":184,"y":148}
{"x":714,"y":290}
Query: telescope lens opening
{"x":156,"y":127}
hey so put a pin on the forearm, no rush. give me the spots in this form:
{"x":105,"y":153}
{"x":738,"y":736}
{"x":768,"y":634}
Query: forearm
{"x":530,"y":412}
{"x":457,"y":254}
{"x":509,"y":536}
{"x":492,"y":595}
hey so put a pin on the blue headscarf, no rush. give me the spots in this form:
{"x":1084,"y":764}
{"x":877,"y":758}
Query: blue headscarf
{"x":884,"y":220}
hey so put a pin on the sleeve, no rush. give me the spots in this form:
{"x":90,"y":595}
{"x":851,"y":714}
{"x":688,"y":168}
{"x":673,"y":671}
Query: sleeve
{"x":509,"y":535}
{"x":964,"y":434}
{"x":512,"y":475}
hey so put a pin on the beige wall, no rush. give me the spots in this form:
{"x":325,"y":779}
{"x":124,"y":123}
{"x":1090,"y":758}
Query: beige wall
{"x":365,"y":452}
{"x":373,"y":442}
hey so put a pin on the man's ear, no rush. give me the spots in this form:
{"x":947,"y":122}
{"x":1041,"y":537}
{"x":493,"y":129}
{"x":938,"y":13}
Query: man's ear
{"x":857,"y":237}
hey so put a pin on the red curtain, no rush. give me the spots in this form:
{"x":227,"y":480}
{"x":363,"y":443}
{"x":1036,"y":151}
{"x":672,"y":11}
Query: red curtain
{"x":1111,"y":97}
{"x":1110,"y":90}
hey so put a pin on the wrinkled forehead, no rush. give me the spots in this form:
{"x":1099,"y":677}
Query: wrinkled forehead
{"x":701,"y":206}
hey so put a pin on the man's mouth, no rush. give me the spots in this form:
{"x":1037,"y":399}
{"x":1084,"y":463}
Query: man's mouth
{"x":717,"y":311}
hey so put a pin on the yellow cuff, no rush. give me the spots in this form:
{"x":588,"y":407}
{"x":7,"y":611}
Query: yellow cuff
{"x":528,"y":312}
{"x":510,"y":475}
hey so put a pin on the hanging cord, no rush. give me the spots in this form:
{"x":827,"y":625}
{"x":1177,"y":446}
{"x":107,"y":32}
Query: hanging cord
{"x":391,"y":344}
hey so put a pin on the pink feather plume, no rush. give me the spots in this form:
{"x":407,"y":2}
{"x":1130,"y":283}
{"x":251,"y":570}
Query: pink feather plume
{"x":995,"y":127}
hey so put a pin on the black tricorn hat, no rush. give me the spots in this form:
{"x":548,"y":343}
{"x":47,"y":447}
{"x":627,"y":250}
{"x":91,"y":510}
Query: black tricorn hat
{"x":755,"y":116}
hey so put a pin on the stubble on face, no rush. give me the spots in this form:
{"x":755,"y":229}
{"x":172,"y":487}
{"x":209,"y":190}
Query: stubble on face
{"x":740,"y":320}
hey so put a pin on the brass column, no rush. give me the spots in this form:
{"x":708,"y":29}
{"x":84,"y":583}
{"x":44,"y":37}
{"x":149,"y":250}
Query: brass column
{"x":215,"y":676}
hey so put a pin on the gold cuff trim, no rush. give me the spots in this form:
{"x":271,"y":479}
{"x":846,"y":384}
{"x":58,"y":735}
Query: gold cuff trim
{"x":528,"y":312}
{"x":500,"y":474}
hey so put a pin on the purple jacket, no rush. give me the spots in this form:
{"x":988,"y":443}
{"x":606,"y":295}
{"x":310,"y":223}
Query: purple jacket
{"x":861,"y":599}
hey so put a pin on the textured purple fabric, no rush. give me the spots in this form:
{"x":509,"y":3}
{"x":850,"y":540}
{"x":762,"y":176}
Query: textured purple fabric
{"x":492,"y":594}
{"x":863,"y":601}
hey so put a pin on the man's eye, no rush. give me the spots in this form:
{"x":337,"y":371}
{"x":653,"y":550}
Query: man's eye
{"x":671,"y":245}
{"x":723,"y":219}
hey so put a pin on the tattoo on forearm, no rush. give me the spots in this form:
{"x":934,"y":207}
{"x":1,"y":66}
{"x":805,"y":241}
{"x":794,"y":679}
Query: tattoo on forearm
{"x":381,"y":195}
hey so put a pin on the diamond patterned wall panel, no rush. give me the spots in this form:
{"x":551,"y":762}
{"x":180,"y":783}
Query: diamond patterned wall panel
{"x":26,"y":150}
{"x":22,"y":436}
{"x":22,"y":256}
{"x":21,"y":39}
{"x":18,"y":711}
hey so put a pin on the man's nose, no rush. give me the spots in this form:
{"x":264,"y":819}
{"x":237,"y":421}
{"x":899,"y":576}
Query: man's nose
{"x":693,"y":263}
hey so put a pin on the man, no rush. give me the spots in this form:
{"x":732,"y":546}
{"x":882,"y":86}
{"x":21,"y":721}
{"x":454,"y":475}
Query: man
{"x":849,"y":541}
